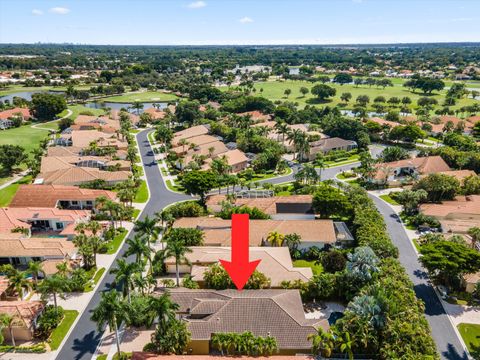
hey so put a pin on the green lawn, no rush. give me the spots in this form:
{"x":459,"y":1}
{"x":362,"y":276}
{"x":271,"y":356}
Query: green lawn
{"x":61,"y":330}
{"x":7,"y":193}
{"x":151,"y":137}
{"x":96,"y":278}
{"x":77,"y":109}
{"x":388,"y":199}
{"x":351,"y":159}
{"x":116,"y":242}
{"x":176,"y":188}
{"x":147,"y":96}
{"x":470,"y":335}
{"x":52,"y":125}
{"x":316,"y":268}
{"x":274,"y":90}
{"x":142,"y":193}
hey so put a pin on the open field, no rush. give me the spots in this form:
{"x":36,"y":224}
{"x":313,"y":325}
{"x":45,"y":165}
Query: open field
{"x":274,"y":90}
{"x":12,"y":89}
{"x":147,"y":96}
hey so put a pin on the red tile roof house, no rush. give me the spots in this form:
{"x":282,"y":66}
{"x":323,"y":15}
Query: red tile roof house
{"x":442,"y":120}
{"x":403,"y":171}
{"x":236,"y":159}
{"x":58,"y":196}
{"x":6,"y":115}
{"x":75,"y":176}
{"x":39,"y":221}
{"x":26,"y":314}
{"x":189,"y":133}
{"x":276,"y":313}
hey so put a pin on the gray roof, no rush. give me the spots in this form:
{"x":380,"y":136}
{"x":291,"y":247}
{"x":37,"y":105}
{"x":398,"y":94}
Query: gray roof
{"x":278,"y":313}
{"x":332,"y":143}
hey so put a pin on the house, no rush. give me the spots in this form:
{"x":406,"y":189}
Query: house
{"x":274,"y":205}
{"x":26,"y":314}
{"x":383,"y":122}
{"x":54,"y":163}
{"x":275,"y":313}
{"x":460,"y":175}
{"x":189,"y":133}
{"x":455,"y":216}
{"x":24,"y":113}
{"x":393,"y":173}
{"x":236,"y":160}
{"x":256,"y":116}
{"x":39,"y":220}
{"x":470,"y":281}
{"x":83,"y":139}
{"x":73,"y":151}
{"x":217,"y":232}
{"x":324,"y":146}
{"x":103,"y":124}
{"x":275,"y":263}
{"x":58,"y":196}
{"x":209,"y":150}
{"x":155,"y":114}
{"x":81,"y":175}
{"x":19,"y":252}
{"x":194,"y":142}
{"x":438,"y":125}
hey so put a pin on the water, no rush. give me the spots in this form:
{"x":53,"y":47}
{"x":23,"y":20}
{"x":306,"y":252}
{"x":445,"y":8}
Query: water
{"x":27,"y":95}
{"x":334,"y":316}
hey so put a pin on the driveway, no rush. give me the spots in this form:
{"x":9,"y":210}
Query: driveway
{"x":84,"y":338}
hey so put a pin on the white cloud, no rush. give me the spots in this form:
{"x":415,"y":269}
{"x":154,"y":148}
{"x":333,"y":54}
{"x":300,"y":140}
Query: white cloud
{"x":59,"y":10}
{"x":246,"y":20}
{"x":37,"y":12}
{"x":197,"y":5}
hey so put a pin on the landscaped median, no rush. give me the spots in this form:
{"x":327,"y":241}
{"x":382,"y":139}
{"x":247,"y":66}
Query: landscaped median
{"x":93,"y":282}
{"x":114,"y":244}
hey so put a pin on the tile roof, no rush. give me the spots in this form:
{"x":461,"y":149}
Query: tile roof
{"x":235,"y":157}
{"x":256,"y":115}
{"x":204,"y":149}
{"x":25,"y":311}
{"x":267,"y":205}
{"x":331,"y":143}
{"x":459,"y":174}
{"x":276,"y":262}
{"x":381,"y":121}
{"x":218,"y":231}
{"x":196,"y":140}
{"x":461,"y":207}
{"x":37,"y":247}
{"x":6,"y":114}
{"x":189,"y":133}
{"x":50,"y":195}
{"x":80,"y":175}
{"x":83,"y":138}
{"x":423,"y":165}
{"x":64,"y":151}
{"x":278,"y":313}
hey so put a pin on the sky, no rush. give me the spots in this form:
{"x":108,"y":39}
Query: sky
{"x":224,"y":22}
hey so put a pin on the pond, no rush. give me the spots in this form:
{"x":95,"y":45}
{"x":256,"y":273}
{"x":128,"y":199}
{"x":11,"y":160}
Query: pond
{"x":27,"y":95}
{"x":118,"y":106}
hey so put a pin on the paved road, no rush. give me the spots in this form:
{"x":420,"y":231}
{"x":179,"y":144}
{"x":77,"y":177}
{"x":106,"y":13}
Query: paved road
{"x":84,"y":339}
{"x":443,"y":332}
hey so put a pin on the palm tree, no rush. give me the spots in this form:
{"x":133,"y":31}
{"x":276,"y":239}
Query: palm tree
{"x":344,"y":341}
{"x":323,"y":343}
{"x":178,"y":250}
{"x":282,"y":128}
{"x":17,"y":281}
{"x":475,"y":234}
{"x":124,"y":273}
{"x":320,"y":164}
{"x":148,"y":227}
{"x":35,"y":268}
{"x":9,"y":321}
{"x":53,"y":285}
{"x":109,"y":311}
{"x":167,"y":218}
{"x":162,"y":308}
{"x":63,"y":268}
{"x":274,"y":238}
{"x":137,"y":106}
{"x":138,"y":246}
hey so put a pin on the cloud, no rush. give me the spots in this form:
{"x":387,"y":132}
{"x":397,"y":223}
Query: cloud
{"x":59,"y":10}
{"x":246,"y":20}
{"x":37,"y":12}
{"x":197,"y":5}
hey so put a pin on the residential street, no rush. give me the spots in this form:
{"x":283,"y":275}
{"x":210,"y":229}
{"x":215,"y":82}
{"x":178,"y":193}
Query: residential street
{"x":443,"y":332}
{"x":84,"y":339}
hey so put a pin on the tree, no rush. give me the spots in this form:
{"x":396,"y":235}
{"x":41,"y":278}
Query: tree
{"x":408,"y":133}
{"x":124,"y":275}
{"x":287,"y":92}
{"x":274,"y":238}
{"x":343,"y":78}
{"x":187,"y":236}
{"x":304,"y":91}
{"x":9,"y":321}
{"x":394,"y":153}
{"x":110,"y":311}
{"x":292,"y":241}
{"x":138,"y":246}
{"x":199,"y":183}
{"x":411,"y":199}
{"x":471,"y":185}
{"x":173,"y":339}
{"x":11,"y":156}
{"x":188,"y":112}
{"x":46,"y":106}
{"x":323,"y":343}
{"x":363,"y":100}
{"x":438,"y":186}
{"x":35,"y":268}
{"x":323,"y":92}
{"x":474,"y":233}
{"x":362,"y":263}
{"x":53,"y":285}
{"x":333,"y":261}
{"x":330,"y":202}
{"x":216,"y":277}
{"x":446,"y":261}
{"x":148,"y":227}
{"x":177,"y":249}
{"x":346,"y":97}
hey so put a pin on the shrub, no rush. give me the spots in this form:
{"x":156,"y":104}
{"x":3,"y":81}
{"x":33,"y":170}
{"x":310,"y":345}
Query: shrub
{"x":186,"y":209}
{"x":217,"y":278}
{"x":48,"y":321}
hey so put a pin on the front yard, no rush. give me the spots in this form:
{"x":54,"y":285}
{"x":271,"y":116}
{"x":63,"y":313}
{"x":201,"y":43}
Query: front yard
{"x":316,"y":268}
{"x":471,"y":336}
{"x":61,"y":330}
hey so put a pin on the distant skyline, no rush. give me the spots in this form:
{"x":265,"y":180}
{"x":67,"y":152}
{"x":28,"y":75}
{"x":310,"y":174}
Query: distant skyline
{"x":239,"y":22}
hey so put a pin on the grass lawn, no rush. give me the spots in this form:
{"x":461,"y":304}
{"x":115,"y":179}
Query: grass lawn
{"x":341,"y":176}
{"x":351,"y":159}
{"x":274,"y":90}
{"x":176,"y":188}
{"x":134,"y":131}
{"x":136,"y":212}
{"x":316,"y":268}
{"x":406,"y":221}
{"x":260,"y":177}
{"x":416,"y":244}
{"x":388,"y":199}
{"x":470,"y":335}
{"x":96,"y":278}
{"x":52,"y":125}
{"x":142,"y":193}
{"x":61,"y":330}
{"x":147,"y":96}
{"x":77,"y":109}
{"x":7,"y":193}
{"x":116,"y":242}
{"x":139,"y":168}
{"x":151,"y":137}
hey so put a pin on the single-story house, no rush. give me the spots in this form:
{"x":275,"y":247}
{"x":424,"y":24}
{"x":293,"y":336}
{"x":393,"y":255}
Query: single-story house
{"x":189,"y":133}
{"x":324,"y":146}
{"x":149,"y":356}
{"x":26,"y":314}
{"x":208,"y":150}
{"x":275,"y":313}
{"x":195,"y":141}
{"x":236,"y":159}
{"x":275,"y":263}
{"x":404,"y":170}
{"x":24,"y":113}
{"x":39,"y":220}
{"x":217,"y":232}
{"x":54,"y":163}
{"x":58,"y":196}
{"x":256,"y":116}
{"x":81,"y":175}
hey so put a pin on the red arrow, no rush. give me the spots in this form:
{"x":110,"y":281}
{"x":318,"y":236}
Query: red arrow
{"x":240,"y":268}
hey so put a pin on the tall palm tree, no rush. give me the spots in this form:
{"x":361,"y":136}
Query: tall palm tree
{"x":323,"y":343}
{"x":138,"y":246}
{"x":109,"y":311}
{"x":124,"y":273}
{"x":9,"y":321}
{"x":53,"y":285}
{"x":162,"y":308}
{"x":282,"y":128}
{"x":137,"y":106}
{"x":177,"y":250}
{"x":148,"y":227}
{"x":35,"y":268}
{"x":274,"y":238}
{"x":17,"y":282}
